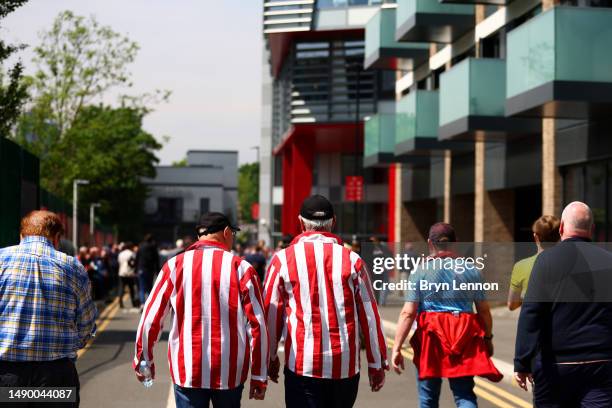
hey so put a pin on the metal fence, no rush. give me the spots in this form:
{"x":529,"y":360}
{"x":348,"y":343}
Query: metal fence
{"x":20,"y":193}
{"x":19,"y":188}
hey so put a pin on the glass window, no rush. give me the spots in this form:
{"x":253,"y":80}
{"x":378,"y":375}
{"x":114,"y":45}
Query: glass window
{"x":596,"y":197}
{"x":169,"y":209}
{"x":204,"y":205}
{"x":278,"y":170}
{"x":573,"y":184}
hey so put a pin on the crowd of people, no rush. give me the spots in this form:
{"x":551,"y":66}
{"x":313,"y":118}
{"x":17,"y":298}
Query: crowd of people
{"x":233,"y":306}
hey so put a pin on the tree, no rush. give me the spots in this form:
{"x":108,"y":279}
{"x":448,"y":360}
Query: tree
{"x":13,"y":91}
{"x":109,"y":148}
{"x":248,"y":189}
{"x":78,"y":62}
{"x":180,"y":163}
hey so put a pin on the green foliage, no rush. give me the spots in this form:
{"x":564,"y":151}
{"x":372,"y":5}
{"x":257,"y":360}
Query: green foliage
{"x":180,"y":163}
{"x":248,"y":189}
{"x":78,"y":62}
{"x":75,"y":137}
{"x":13,"y":92}
{"x":109,"y":148}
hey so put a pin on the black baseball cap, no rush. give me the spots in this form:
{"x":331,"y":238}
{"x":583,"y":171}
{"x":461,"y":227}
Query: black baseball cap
{"x":214,"y":222}
{"x":317,"y":207}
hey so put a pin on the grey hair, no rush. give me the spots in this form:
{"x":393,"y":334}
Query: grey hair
{"x":317,"y":225}
{"x":578,"y":215}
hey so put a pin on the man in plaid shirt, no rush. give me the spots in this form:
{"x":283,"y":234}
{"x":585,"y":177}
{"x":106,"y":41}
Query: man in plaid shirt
{"x":46,"y":311}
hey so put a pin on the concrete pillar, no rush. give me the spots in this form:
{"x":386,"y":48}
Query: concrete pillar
{"x":479,"y":190}
{"x":551,"y":178}
{"x":448,"y":157}
{"x":397,"y":205}
{"x":493,"y":210}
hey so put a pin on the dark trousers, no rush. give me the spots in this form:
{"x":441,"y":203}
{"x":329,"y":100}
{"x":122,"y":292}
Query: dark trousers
{"x":308,"y":392}
{"x":572,"y":385}
{"x":202,"y":397}
{"x":57,"y":373}
{"x":145,"y":284}
{"x":131,"y":284}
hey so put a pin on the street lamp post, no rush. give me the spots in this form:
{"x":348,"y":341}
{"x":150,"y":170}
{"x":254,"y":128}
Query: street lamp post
{"x":75,"y":207}
{"x":92,"y":213}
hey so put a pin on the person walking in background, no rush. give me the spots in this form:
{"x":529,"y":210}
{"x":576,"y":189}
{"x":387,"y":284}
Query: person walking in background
{"x":218,"y":322}
{"x":258,"y":261}
{"x":545,"y":234}
{"x":318,"y":295}
{"x":46,"y":311}
{"x":564,"y":335}
{"x":451,"y":341}
{"x":380,"y":250}
{"x":98,"y":272}
{"x":127,"y":274}
{"x":147,"y":264}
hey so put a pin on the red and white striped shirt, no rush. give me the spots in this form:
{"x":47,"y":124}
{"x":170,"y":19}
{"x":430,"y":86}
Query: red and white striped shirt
{"x":318,"y":295}
{"x":219,"y":322}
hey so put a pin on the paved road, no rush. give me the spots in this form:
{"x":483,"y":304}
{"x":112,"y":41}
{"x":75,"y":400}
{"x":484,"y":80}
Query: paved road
{"x":107,"y":379}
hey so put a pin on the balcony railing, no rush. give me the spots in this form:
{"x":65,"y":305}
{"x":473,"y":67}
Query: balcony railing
{"x":560,"y":64}
{"x":432,"y":21}
{"x":472,"y":102}
{"x":383,"y":51}
{"x":379,"y":142}
{"x":287,"y":15}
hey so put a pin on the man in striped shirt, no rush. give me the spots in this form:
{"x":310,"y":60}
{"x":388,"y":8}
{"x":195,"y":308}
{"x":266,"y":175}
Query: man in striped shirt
{"x":219,"y":326}
{"x":319,"y":297}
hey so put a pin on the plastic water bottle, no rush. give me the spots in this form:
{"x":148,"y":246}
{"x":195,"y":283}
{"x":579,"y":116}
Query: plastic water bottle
{"x":145,"y":370}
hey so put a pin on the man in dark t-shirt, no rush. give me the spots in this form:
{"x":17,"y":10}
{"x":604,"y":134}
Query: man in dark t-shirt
{"x":564,"y":337}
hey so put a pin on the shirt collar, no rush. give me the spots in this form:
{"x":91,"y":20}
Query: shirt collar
{"x":577,"y":239}
{"x":317,"y":236}
{"x":206,"y":243}
{"x":35,"y":238}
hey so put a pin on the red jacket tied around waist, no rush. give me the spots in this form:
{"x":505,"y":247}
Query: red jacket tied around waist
{"x":450,"y":345}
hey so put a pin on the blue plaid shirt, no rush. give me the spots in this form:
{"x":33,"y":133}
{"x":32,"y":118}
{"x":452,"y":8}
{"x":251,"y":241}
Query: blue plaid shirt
{"x":46,"y":311}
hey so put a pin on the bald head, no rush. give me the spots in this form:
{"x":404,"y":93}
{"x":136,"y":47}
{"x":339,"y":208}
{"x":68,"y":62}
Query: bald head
{"x":576,"y":221}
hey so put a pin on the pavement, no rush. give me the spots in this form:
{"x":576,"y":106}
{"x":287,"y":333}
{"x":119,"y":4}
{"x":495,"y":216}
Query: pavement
{"x":107,"y":378}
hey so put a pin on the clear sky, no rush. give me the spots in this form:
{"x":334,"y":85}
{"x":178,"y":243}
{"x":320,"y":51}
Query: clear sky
{"x":208,"y":53}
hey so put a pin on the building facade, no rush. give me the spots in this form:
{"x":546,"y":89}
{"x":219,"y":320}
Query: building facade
{"x":316,"y":95}
{"x":178,"y":195}
{"x":501,"y":112}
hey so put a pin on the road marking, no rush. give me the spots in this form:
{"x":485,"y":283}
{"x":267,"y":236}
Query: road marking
{"x":503,"y":393}
{"x":492,"y":398}
{"x":103,"y":320}
{"x":479,"y":388}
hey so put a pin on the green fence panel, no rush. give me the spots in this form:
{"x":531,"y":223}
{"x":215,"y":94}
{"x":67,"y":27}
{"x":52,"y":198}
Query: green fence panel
{"x":10,"y":192}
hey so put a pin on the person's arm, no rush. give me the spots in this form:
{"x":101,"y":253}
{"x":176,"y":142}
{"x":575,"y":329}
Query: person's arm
{"x":86,"y":312}
{"x":369,"y":320}
{"x":483,"y":310}
{"x":275,"y":314}
{"x":514,"y":299}
{"x":516,"y":289}
{"x":151,"y":323}
{"x":532,"y":318}
{"x":252,"y":304}
{"x":404,"y":324}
